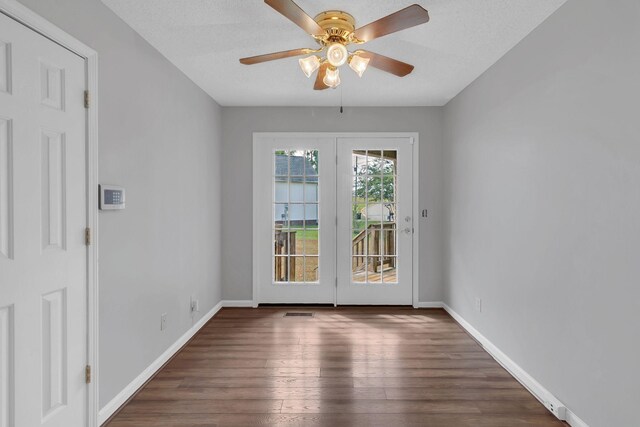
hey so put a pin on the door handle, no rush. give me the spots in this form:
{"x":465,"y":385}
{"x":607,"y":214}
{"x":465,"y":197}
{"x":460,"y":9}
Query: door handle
{"x":407,"y":230}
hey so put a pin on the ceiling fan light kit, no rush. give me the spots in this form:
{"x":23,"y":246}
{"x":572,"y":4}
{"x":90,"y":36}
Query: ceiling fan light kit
{"x":309,"y":64}
{"x":332,"y":77}
{"x":358,"y":64}
{"x":334,"y":30}
{"x":337,"y":54}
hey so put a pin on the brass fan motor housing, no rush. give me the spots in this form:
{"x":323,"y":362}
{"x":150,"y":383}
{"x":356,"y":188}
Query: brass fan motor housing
{"x":339,"y":26}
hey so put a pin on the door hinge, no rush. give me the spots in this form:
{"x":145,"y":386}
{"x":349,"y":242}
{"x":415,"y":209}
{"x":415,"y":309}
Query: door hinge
{"x":87,"y":374}
{"x":87,"y":236}
{"x":336,"y":283}
{"x":86,"y":99}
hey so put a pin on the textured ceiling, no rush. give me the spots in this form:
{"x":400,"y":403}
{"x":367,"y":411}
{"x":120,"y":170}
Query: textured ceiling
{"x":205,"y":39}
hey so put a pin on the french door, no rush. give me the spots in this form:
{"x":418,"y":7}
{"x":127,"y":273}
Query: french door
{"x":332,"y":219}
{"x":375,"y":224}
{"x":294,"y":219}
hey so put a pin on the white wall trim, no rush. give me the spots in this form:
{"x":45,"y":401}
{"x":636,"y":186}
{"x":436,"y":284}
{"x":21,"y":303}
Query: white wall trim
{"x":37,"y":23}
{"x":429,"y":304}
{"x":255,"y":200}
{"x":27,"y":17}
{"x":573,"y":420}
{"x":415,"y":244}
{"x":115,"y":403}
{"x":237,"y":303}
{"x":534,"y":387}
{"x":92,"y":253}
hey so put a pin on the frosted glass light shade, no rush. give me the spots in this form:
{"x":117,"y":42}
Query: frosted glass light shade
{"x":358,"y":64}
{"x":337,"y":54}
{"x":309,"y":64}
{"x":332,"y":78}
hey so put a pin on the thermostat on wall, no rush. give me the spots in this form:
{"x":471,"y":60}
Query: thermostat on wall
{"x":111,"y":197}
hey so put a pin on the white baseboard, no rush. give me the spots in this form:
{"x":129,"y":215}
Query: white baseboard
{"x":538,"y":391}
{"x":573,"y":420}
{"x":534,"y":387}
{"x":237,"y":303}
{"x":134,"y":385}
{"x":430,"y":304}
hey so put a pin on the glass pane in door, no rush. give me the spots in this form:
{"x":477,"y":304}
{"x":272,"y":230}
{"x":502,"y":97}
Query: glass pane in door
{"x":296,"y":252}
{"x":374,"y":222}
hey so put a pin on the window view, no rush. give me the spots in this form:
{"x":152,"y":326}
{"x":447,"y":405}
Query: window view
{"x":373,"y":225}
{"x":295,"y":216}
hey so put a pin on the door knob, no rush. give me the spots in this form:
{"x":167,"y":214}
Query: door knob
{"x":407,"y":230}
{"x":407,"y":218}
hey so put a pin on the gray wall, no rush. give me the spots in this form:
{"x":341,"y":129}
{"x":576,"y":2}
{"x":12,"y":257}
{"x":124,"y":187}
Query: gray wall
{"x":238,"y":125}
{"x":160,"y":138}
{"x":534,"y":197}
{"x":543,"y":197}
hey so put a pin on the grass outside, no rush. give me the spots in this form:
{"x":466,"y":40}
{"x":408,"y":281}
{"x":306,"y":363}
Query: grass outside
{"x":309,"y":232}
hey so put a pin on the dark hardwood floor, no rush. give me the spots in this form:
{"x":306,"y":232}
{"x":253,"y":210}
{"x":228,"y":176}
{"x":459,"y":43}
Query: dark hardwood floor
{"x":347,"y":366}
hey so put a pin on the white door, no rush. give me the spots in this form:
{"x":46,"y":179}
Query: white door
{"x":333,"y":219}
{"x":43,"y":258}
{"x":375,"y":224}
{"x":294,"y":219}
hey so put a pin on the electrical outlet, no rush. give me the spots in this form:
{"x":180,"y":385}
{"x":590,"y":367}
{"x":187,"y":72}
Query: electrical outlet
{"x":195,"y":305}
{"x":479,"y":304}
{"x":163,"y":321}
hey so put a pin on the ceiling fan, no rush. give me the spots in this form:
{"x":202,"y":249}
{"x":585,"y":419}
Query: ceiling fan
{"x":334,"y":30}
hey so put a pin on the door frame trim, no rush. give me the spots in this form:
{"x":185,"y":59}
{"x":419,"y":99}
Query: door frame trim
{"x":415,"y":137}
{"x":35,"y":22}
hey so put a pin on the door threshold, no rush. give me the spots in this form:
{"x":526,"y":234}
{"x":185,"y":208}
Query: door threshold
{"x":282,"y":305}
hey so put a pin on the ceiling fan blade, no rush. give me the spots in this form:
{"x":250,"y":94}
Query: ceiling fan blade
{"x":385,"y":63}
{"x":298,"y":16}
{"x":276,"y":55}
{"x":322,"y":71}
{"x":400,"y":20}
